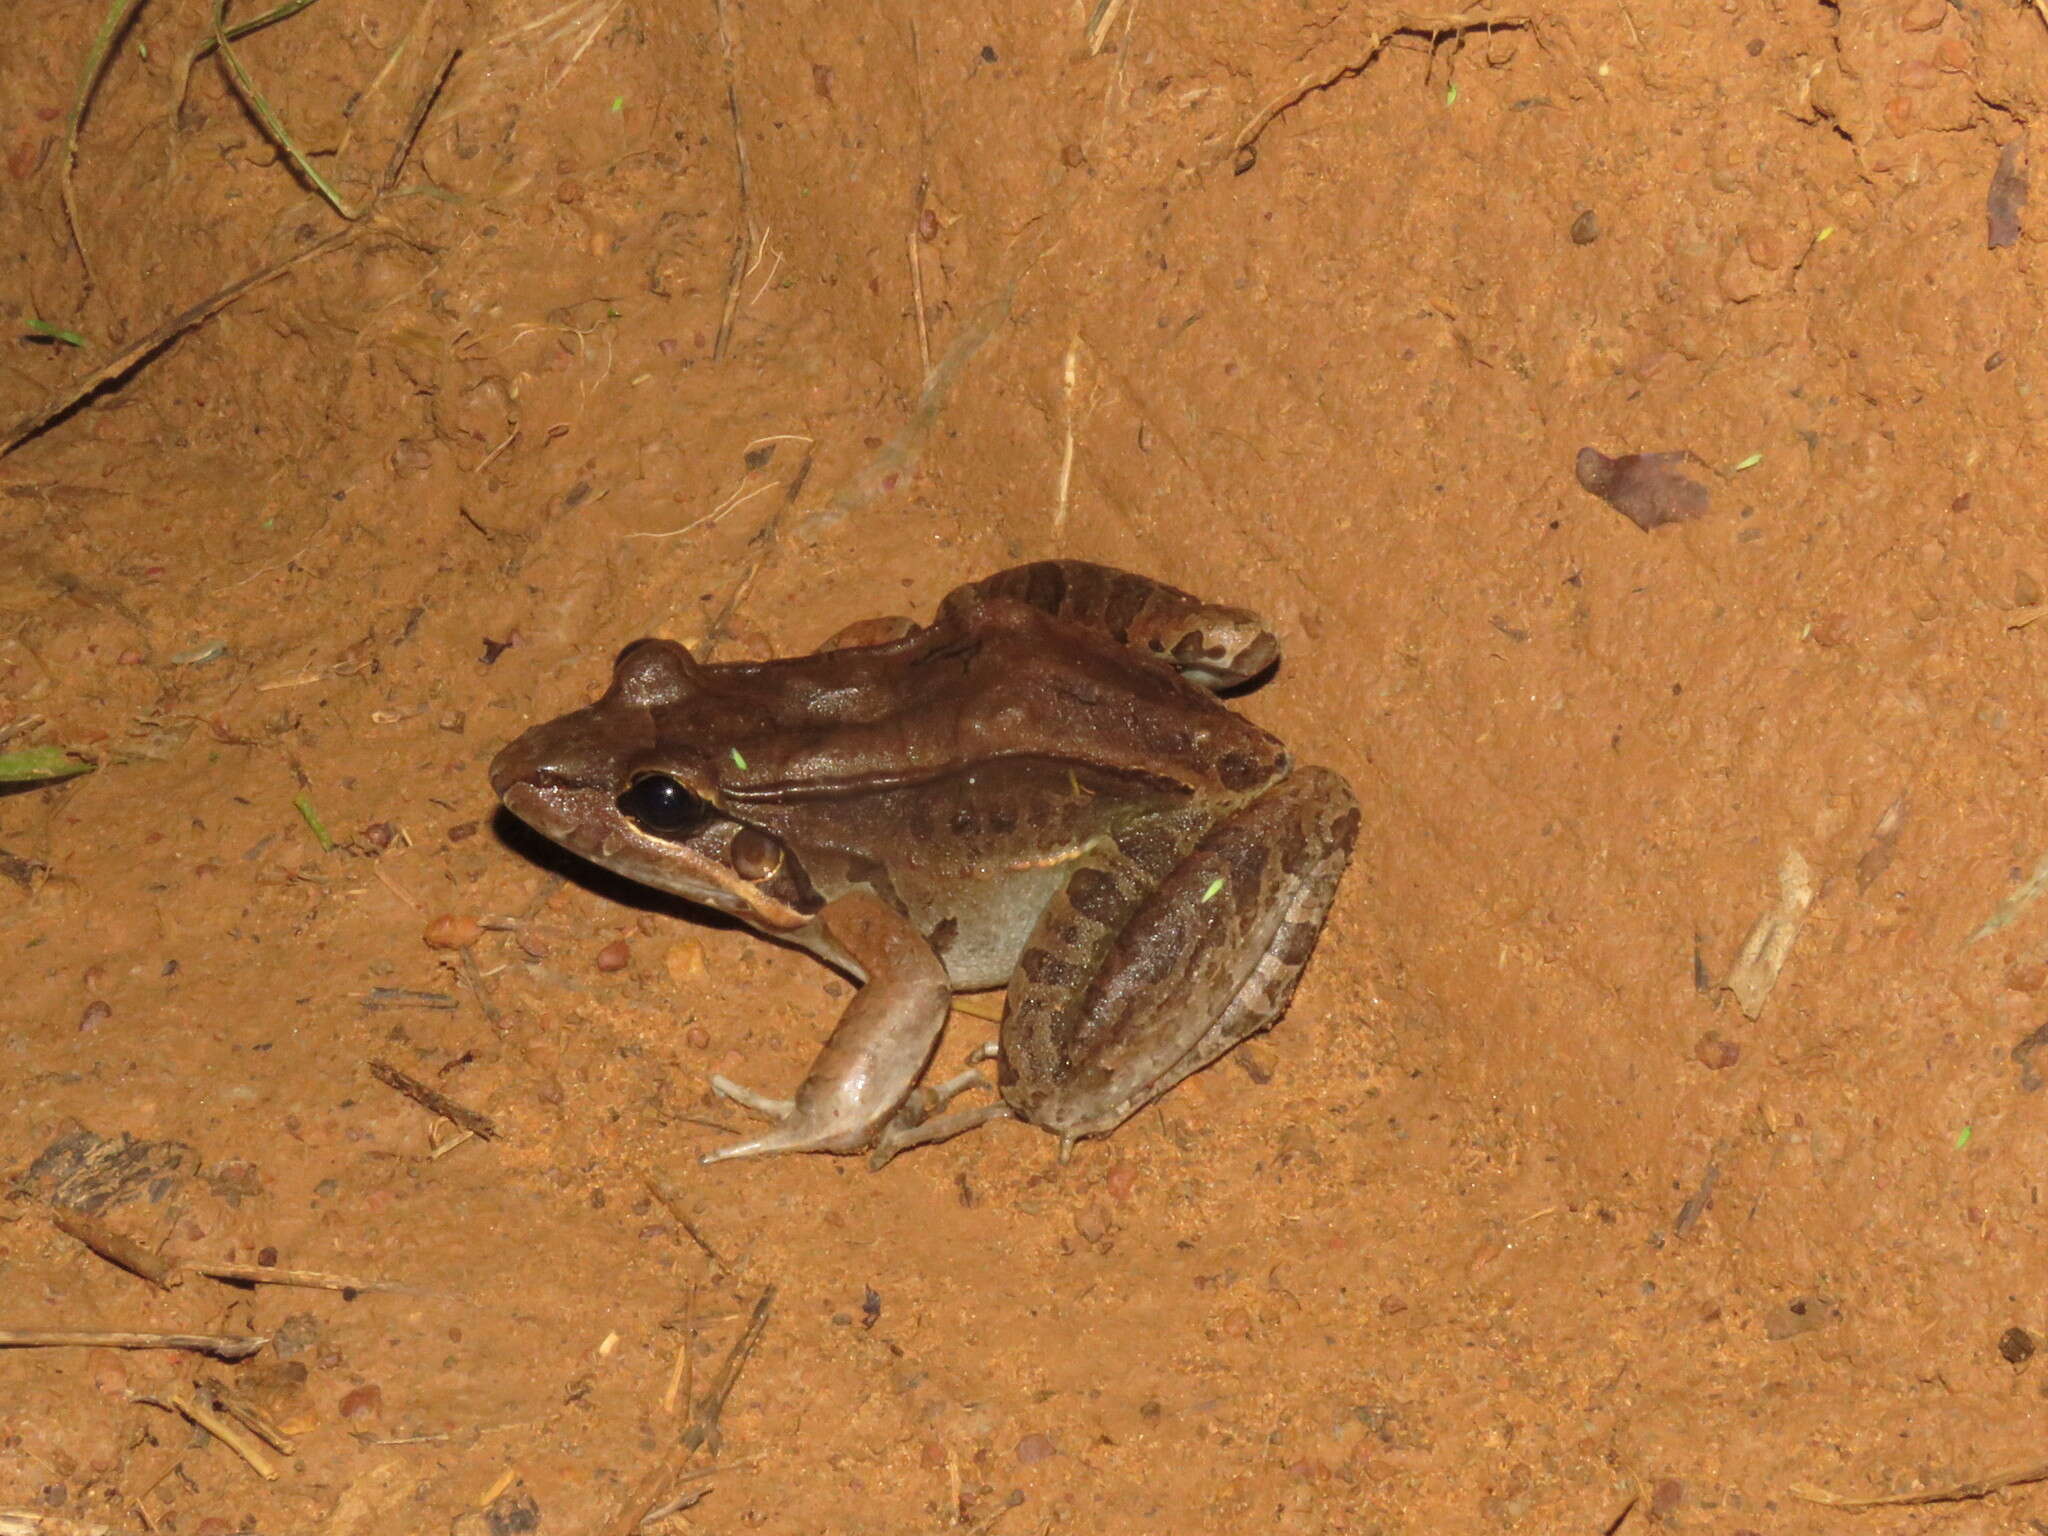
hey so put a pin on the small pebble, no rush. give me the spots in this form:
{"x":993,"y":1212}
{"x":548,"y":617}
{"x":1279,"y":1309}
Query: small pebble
{"x":1586,"y":227}
{"x":452,"y":931}
{"x":1120,"y":1181}
{"x":96,"y":1014}
{"x":2016,"y":1345}
{"x":1093,"y":1224}
{"x":697,"y":1037}
{"x":2028,"y":977}
{"x":1716,"y":1054}
{"x":1832,"y":631}
{"x":1667,"y":1495}
{"x":362,"y":1402}
{"x":615,"y":956}
{"x":380,"y":834}
{"x":1033,"y":1449}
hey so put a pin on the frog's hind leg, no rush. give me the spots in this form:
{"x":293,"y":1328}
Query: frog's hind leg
{"x":1209,"y":643}
{"x":1125,"y":989}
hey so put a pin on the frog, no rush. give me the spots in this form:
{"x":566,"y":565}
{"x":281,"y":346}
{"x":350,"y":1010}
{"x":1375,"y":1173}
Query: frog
{"x":1041,"y":790}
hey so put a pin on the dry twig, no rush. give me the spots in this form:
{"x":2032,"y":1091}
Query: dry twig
{"x":233,"y":1436}
{"x":222,"y":1346}
{"x":1952,"y":1494}
{"x":435,"y":1100}
{"x":117,"y":1248}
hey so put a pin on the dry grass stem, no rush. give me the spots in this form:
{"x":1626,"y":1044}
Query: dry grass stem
{"x":1068,"y":374}
{"x":743,"y":231}
{"x":703,"y":1431}
{"x":222,"y":1346}
{"x":1951,"y":1494}
{"x":672,"y":1201}
{"x":309,"y":1279}
{"x":231,"y":1435}
{"x":111,"y":27}
{"x":924,"y":339}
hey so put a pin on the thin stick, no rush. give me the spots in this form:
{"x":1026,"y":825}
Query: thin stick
{"x":703,"y":1430}
{"x":435,"y":1100}
{"x":924,"y":340}
{"x":95,"y":64}
{"x":667,"y":1194}
{"x":1067,"y":376}
{"x":1954,"y":1493}
{"x":117,"y":1248}
{"x":742,"y":236}
{"x":233,"y":1436}
{"x":222,"y":1346}
{"x":162,"y":337}
{"x":26,"y":1522}
{"x":310,"y":1279}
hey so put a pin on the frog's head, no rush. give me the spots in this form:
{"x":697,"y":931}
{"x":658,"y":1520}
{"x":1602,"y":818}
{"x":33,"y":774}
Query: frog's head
{"x":630,"y":784}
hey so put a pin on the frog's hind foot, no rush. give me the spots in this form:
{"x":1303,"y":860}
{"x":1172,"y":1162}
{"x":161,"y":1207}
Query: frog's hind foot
{"x":902,"y":1136}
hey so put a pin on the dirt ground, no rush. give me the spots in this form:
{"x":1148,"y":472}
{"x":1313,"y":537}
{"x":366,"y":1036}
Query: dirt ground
{"x":737,"y":324}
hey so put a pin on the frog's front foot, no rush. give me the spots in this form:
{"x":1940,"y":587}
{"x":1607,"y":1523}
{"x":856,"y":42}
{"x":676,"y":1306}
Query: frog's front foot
{"x":821,"y":1125}
{"x":873,"y":1060}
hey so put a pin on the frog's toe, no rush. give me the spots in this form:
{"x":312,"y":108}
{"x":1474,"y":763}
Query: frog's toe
{"x":759,"y":1103}
{"x":803,"y":1124}
{"x":902,"y":1136}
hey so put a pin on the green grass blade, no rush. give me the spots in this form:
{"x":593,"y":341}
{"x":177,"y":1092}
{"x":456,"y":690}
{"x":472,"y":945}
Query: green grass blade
{"x":267,"y":115}
{"x":30,"y":765}
{"x":55,"y":333}
{"x":118,"y":12}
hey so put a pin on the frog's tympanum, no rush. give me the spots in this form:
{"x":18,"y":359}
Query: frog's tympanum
{"x":1038,"y":790}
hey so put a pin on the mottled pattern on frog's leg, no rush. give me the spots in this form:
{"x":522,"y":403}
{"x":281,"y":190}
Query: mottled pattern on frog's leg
{"x":1210,"y":643}
{"x":1208,"y":958}
{"x":878,"y":1051}
{"x":1046,"y":1027}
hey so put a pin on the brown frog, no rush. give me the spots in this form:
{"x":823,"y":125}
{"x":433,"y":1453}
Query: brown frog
{"x":1036,"y":790}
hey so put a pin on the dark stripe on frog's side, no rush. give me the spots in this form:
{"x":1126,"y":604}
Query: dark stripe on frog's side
{"x":805,"y":791}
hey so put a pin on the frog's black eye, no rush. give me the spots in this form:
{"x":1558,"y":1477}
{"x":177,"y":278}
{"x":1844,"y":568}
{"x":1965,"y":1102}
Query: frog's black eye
{"x":658,"y":804}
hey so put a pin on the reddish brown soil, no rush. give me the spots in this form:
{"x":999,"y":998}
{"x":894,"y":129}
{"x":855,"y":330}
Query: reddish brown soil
{"x":1516,"y":1222}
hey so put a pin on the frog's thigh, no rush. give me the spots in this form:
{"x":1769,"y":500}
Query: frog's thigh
{"x":1125,"y":988}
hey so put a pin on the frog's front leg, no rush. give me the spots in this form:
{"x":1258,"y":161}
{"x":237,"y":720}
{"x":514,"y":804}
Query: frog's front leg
{"x":1135,"y":978}
{"x":878,"y":1051}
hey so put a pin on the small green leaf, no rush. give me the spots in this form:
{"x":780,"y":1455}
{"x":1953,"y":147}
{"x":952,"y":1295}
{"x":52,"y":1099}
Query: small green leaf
{"x":56,"y":333}
{"x":30,"y":764}
{"x":1963,"y":1138}
{"x":618,"y":103}
{"x":738,"y":761}
{"x":304,"y":805}
{"x":1451,"y":94}
{"x":1825,"y":234}
{"x":1215,"y":889}
{"x":1750,"y":463}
